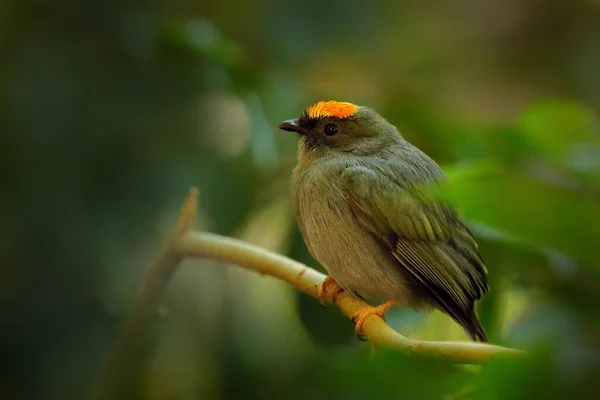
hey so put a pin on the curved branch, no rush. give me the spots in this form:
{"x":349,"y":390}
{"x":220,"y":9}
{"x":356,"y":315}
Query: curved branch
{"x":187,"y":243}
{"x":306,"y":279}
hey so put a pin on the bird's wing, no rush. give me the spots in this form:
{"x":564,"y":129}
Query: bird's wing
{"x":426,"y":238}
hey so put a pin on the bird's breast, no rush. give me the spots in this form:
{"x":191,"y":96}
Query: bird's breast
{"x":335,"y":238}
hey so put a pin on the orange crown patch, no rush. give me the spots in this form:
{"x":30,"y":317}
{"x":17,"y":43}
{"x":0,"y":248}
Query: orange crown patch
{"x":337,"y":109}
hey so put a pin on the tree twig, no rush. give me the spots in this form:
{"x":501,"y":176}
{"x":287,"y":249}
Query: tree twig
{"x":306,"y":279}
{"x":125,"y":352}
{"x":187,"y":243}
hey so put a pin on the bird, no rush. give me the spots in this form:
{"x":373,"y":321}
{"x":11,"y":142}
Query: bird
{"x":361,"y":197}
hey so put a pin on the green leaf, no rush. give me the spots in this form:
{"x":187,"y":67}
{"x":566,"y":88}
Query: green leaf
{"x":534,"y":212}
{"x":555,"y":126}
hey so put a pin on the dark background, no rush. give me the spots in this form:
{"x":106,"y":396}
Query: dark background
{"x":110,"y":110}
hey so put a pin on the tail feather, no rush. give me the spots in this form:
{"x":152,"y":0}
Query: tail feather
{"x":474,"y":329}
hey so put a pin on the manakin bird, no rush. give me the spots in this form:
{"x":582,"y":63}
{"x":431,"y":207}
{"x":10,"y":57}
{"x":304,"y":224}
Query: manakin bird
{"x":360,"y":203}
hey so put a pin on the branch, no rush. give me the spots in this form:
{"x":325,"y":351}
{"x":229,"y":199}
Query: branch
{"x":121,"y":361}
{"x":186,"y":243}
{"x":306,"y":279}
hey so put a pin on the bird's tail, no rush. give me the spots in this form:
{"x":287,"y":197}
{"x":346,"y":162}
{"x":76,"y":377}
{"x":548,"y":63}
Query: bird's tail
{"x":474,"y":329}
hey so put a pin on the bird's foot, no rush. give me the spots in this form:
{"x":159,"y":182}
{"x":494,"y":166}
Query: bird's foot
{"x":329,"y":281}
{"x":361,"y":316}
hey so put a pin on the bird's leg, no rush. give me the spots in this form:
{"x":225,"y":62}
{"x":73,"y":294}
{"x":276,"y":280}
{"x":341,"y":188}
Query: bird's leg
{"x":360,"y":317}
{"x":329,"y":281}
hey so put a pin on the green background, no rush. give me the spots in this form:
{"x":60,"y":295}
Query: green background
{"x":110,"y":110}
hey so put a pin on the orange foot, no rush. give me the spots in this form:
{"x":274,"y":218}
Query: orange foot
{"x":360,"y":317}
{"x":323,"y":288}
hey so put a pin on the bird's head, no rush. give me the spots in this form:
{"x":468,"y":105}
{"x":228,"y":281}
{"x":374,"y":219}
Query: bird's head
{"x":334,"y":127}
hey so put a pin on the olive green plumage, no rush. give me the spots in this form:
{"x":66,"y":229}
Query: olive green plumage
{"x":361,"y":201}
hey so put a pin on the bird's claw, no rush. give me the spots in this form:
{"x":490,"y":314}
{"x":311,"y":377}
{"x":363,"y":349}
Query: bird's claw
{"x":361,"y":316}
{"x":329,"y":280}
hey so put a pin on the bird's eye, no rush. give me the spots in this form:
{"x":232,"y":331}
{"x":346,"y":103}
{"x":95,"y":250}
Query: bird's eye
{"x":331,"y":129}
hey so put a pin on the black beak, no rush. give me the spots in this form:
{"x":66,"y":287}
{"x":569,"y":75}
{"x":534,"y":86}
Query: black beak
{"x":291,"y":125}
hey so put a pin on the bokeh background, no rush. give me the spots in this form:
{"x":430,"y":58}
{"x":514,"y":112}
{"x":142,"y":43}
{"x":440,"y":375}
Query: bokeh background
{"x":110,"y":110}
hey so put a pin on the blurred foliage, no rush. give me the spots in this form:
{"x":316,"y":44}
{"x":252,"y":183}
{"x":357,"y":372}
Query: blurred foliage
{"x":110,"y":110}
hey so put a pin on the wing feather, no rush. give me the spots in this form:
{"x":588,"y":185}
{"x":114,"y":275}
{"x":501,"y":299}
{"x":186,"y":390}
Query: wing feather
{"x":427,"y":239}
